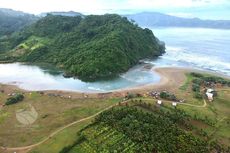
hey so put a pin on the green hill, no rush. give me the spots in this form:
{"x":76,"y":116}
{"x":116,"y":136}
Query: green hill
{"x":11,"y":21}
{"x":93,"y":47}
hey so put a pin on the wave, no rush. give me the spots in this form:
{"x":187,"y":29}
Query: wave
{"x":177,"y":56}
{"x":95,"y":89}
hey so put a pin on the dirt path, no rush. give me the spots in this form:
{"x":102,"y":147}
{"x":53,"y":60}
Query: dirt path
{"x":200,"y":106}
{"x":204,"y":105}
{"x":27,"y":148}
{"x":171,"y":78}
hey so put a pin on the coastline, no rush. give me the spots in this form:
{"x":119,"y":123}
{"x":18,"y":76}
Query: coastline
{"x":171,"y":77}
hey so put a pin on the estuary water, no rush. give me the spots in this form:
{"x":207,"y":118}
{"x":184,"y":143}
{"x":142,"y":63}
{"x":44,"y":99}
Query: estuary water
{"x":205,"y":49}
{"x":35,"y":78}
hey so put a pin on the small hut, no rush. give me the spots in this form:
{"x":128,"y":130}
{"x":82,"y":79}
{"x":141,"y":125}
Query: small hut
{"x":159,"y":102}
{"x":210,"y":94}
{"x":174,"y":103}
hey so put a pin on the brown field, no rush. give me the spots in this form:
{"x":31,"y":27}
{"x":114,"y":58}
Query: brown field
{"x":59,"y":108}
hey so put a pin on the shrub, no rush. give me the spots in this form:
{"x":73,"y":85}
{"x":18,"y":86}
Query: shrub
{"x":197,"y":95}
{"x":168,"y":96}
{"x":14,"y":99}
{"x":131,"y":95}
{"x":197,"y":81}
{"x":197,"y":75}
{"x":195,"y":87}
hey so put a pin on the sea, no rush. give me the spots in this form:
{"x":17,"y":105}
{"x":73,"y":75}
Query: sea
{"x":199,"y":48}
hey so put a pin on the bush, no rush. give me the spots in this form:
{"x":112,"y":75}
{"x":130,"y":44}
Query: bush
{"x":131,"y":95}
{"x":197,"y":75}
{"x":195,"y":87}
{"x":168,"y":96}
{"x":197,"y":81}
{"x":197,"y":95}
{"x":14,"y":99}
{"x":207,"y":80}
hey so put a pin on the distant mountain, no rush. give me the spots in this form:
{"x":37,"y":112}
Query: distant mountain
{"x":11,"y":21}
{"x":93,"y":47}
{"x":153,"y":19}
{"x":70,"y":13}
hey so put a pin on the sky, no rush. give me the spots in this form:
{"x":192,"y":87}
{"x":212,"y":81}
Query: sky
{"x":205,"y":9}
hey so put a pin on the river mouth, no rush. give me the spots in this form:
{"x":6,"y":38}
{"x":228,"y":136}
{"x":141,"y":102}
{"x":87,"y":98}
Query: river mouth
{"x":35,"y":78}
{"x":203,"y":49}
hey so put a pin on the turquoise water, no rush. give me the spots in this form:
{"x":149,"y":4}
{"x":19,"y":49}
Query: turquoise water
{"x":36,"y":78}
{"x":205,"y":49}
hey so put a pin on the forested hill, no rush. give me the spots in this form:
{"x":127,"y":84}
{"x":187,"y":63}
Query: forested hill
{"x":70,"y":13}
{"x":90,"y":48}
{"x":11,"y":21}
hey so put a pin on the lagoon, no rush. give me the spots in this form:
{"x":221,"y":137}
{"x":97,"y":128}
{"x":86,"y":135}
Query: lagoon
{"x":36,"y":78}
{"x":204,"y":49}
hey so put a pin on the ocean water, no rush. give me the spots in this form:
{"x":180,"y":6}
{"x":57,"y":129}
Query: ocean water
{"x":205,"y":49}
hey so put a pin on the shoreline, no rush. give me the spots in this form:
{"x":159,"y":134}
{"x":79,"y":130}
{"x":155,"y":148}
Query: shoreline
{"x":170,"y":77}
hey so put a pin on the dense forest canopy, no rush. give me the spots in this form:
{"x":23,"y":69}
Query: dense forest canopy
{"x":90,"y":47}
{"x":134,"y":130}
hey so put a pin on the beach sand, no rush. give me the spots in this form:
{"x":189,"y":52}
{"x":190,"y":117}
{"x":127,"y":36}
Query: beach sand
{"x":171,"y":78}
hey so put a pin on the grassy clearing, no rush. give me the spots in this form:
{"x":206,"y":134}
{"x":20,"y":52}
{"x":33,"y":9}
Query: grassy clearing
{"x":34,"y":42}
{"x":186,"y":84}
{"x":61,"y":140}
{"x":53,"y":113}
{"x":3,"y":116}
{"x":217,"y":112}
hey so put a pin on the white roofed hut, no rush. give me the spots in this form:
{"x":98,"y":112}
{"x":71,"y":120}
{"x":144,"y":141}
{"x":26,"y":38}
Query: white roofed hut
{"x":210,"y":94}
{"x":159,"y":102}
{"x":174,"y":103}
{"x":210,"y":90}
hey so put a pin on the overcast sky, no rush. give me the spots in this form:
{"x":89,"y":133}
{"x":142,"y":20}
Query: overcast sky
{"x":210,"y":9}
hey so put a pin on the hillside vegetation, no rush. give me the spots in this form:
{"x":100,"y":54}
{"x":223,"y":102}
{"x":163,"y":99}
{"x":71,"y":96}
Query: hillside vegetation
{"x":129,"y":129}
{"x":90,"y":48}
{"x":11,"y":21}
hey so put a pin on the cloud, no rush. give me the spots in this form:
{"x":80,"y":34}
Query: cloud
{"x":38,"y":6}
{"x":172,"y":3}
{"x":102,"y":6}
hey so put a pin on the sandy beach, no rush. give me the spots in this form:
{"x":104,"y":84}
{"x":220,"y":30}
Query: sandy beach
{"x":171,"y":77}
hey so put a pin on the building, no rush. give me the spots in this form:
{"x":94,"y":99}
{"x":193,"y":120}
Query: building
{"x":159,"y":102}
{"x":210,"y":90}
{"x":174,"y":103}
{"x":209,"y":94}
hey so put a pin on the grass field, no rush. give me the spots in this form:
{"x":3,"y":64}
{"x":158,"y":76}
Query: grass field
{"x":53,"y":113}
{"x":63,"y":139}
{"x":212,"y":120}
{"x":216,"y":112}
